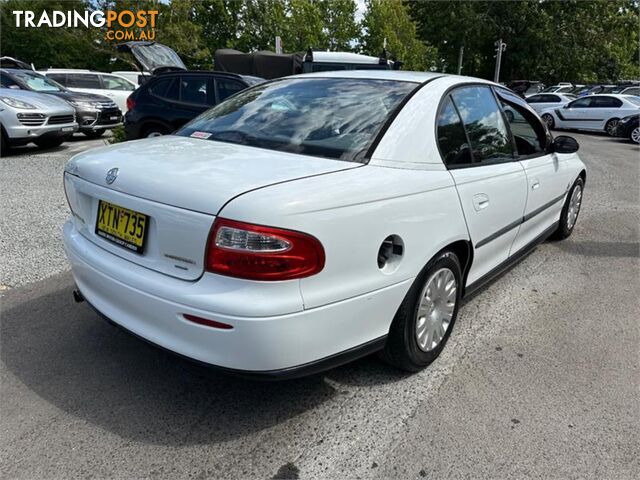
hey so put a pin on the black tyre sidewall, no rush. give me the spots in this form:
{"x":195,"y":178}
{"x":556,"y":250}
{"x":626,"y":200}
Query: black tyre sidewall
{"x":402,"y":347}
{"x":563,"y":232}
{"x":94,"y":133}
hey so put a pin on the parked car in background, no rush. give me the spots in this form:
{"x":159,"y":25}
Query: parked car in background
{"x":525,"y":88}
{"x":595,"y":90}
{"x":107,"y":84}
{"x":543,"y":101}
{"x":94,"y":113}
{"x":135,"y":77}
{"x":628,"y":90}
{"x":315,"y":219}
{"x":559,"y":88}
{"x":169,"y":100}
{"x":599,"y":113}
{"x":628,"y":127}
{"x":27,"y":117}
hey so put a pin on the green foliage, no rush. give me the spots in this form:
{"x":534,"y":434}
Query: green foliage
{"x":390,"y":20}
{"x":117,"y":135}
{"x":580,"y":41}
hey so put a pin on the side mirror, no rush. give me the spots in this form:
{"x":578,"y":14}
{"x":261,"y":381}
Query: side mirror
{"x":564,"y":144}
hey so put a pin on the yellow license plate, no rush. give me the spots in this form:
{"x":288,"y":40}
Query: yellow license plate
{"x":120,"y":225}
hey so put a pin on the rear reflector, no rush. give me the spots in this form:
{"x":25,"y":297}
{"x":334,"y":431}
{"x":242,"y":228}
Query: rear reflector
{"x":256,"y":252}
{"x":206,"y":322}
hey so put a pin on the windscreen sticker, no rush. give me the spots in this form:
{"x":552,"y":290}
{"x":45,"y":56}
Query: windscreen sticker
{"x":200,"y":135}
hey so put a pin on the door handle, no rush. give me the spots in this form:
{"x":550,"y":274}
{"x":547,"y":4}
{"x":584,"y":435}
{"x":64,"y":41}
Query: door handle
{"x":480,"y":201}
{"x":535,"y":184}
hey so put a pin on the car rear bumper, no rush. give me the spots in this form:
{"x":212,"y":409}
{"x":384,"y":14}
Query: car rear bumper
{"x":275,"y":345}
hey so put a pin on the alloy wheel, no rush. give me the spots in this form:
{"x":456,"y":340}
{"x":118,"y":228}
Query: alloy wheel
{"x":611,"y":127}
{"x":635,"y":135}
{"x":574,"y":206}
{"x":435,"y":311}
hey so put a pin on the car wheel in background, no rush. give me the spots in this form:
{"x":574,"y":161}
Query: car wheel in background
{"x":570,"y":211}
{"x":611,"y":126}
{"x":95,"y":133}
{"x":509,"y":115}
{"x":548,"y":119}
{"x":634,"y":136}
{"x":154,"y":131}
{"x":423,"y":323}
{"x":4,"y":143}
{"x":49,"y":142}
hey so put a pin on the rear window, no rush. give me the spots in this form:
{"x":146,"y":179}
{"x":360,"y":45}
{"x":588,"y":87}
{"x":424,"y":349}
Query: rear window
{"x":327,"y":117}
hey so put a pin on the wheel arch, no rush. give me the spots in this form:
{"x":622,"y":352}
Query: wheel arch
{"x":464,"y":251}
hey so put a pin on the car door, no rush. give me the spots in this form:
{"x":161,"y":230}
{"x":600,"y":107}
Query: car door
{"x":576,"y":114}
{"x":548,"y":175}
{"x":117,"y":89}
{"x":196,"y":94}
{"x":605,"y":108}
{"x":492,"y":187}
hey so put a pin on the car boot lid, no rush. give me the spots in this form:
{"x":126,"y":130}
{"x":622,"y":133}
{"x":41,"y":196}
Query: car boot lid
{"x":194,"y":173}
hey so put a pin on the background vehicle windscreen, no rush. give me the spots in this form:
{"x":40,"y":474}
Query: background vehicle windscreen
{"x":38,"y":83}
{"x":327,"y":117}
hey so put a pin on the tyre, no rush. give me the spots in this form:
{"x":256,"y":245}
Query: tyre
{"x":4,"y":144}
{"x":548,"y":119}
{"x":611,"y":126}
{"x":423,"y":323}
{"x":94,"y":133}
{"x":49,"y":142}
{"x":154,"y":131}
{"x":570,"y":211}
{"x":634,"y":136}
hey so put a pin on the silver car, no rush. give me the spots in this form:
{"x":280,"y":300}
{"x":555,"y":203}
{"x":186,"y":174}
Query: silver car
{"x":27,"y":117}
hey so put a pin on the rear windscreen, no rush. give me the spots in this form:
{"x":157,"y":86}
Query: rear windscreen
{"x":336,"y":118}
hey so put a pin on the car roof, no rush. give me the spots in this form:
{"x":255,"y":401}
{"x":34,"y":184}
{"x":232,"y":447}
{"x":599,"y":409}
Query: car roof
{"x":198,"y":72}
{"x":344,"y":57}
{"x":400,"y":75}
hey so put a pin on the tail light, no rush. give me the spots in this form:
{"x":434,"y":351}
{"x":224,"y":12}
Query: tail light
{"x":131,"y":103}
{"x":256,"y":252}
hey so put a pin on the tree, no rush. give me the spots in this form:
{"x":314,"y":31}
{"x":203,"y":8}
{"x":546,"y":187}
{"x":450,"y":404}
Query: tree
{"x":390,"y":20}
{"x":551,"y":41}
{"x":340,"y":27}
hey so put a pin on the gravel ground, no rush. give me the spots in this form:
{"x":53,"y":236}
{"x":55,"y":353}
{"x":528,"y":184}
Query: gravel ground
{"x":539,"y":379}
{"x":33,"y":210}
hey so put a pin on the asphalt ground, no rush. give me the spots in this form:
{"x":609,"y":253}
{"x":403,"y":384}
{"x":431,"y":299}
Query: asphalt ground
{"x":540,"y":378}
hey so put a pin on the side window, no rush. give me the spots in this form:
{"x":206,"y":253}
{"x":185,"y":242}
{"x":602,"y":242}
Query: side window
{"x":584,"y":102}
{"x":553,"y":99}
{"x":484,"y":124}
{"x":632,"y":91}
{"x":7,"y":82}
{"x":61,"y":78}
{"x":193,"y":89}
{"x":452,"y":140}
{"x":115,"y":83}
{"x":83,"y":80}
{"x":535,"y":99}
{"x":165,"y":88}
{"x":606,"y":102}
{"x":227,"y":87}
{"x":528,"y":133}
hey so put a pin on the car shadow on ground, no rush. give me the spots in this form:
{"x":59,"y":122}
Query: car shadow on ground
{"x":67,"y":355}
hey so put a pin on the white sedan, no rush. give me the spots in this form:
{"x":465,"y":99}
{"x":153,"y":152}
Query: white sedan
{"x":314,"y":219}
{"x":599,"y":113}
{"x":544,"y":101}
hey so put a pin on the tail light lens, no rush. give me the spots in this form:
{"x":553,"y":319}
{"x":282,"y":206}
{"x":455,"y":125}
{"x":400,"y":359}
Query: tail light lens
{"x":256,"y":252}
{"x":131,"y":103}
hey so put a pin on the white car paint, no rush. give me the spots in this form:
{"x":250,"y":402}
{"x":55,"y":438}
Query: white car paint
{"x":108,"y":84}
{"x":404,"y":189}
{"x":543,"y":101}
{"x":592,"y":112}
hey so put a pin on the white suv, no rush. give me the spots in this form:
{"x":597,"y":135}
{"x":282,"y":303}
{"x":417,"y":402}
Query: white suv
{"x":113,"y":86}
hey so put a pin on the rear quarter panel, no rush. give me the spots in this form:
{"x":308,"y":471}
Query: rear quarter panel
{"x":351,"y":212}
